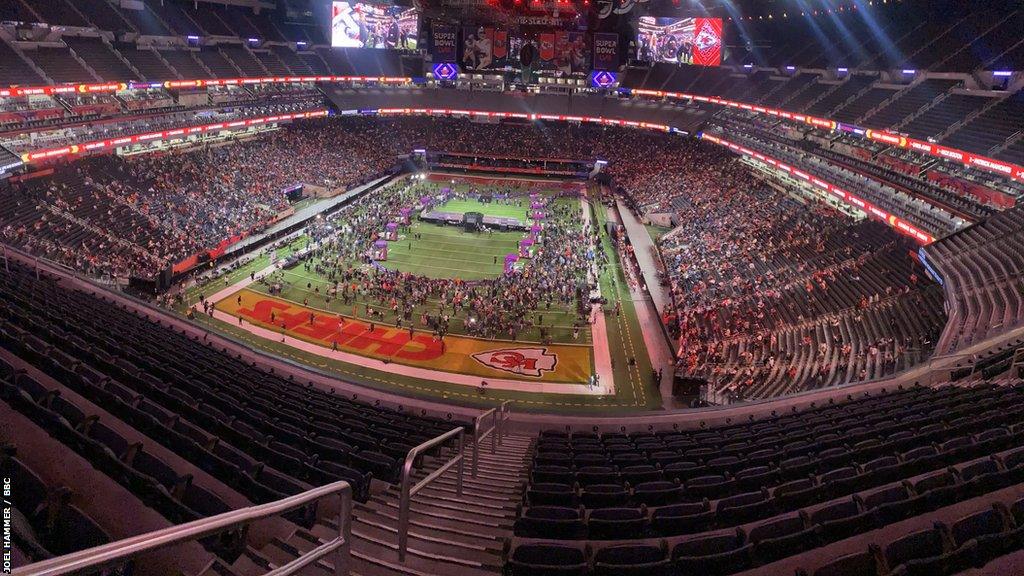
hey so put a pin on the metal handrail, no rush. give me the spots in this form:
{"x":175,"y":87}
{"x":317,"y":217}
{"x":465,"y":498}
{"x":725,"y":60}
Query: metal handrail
{"x":499,"y":415}
{"x":96,"y":558}
{"x":478,"y":437}
{"x":407,"y":491}
{"x":506,"y":415}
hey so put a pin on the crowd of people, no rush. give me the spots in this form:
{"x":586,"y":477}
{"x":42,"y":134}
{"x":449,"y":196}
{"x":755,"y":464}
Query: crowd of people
{"x":750,"y":267}
{"x":172,"y":205}
{"x":508,"y":306}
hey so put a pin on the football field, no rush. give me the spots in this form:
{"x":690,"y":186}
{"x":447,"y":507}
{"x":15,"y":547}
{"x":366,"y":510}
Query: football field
{"x":451,"y":252}
{"x":300,"y":319}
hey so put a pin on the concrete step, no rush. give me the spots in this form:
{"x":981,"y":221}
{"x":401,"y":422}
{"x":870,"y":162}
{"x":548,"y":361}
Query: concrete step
{"x":479,"y":484}
{"x":471,"y":493}
{"x":437,"y":523}
{"x":430,"y":494}
{"x":484,"y":477}
{"x":281,"y":553}
{"x":455,"y":507}
{"x":486,"y":555}
{"x":369,"y":557}
{"x":463,"y":539}
{"x":433,"y":513}
{"x":420,"y":558}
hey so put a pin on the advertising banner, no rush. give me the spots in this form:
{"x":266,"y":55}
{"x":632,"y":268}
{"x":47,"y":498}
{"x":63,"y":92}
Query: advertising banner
{"x":444,"y":42}
{"x":606,"y":51}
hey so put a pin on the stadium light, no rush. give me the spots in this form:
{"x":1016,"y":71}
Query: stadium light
{"x":910,"y":72}
{"x":1002,"y":73}
{"x":192,"y":38}
{"x":790,"y":67}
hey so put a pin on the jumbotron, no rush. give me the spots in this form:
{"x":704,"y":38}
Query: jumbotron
{"x":518,"y":287}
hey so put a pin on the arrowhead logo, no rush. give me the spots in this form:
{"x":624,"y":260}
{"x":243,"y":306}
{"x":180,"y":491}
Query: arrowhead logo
{"x":706,"y":39}
{"x":520,"y":361}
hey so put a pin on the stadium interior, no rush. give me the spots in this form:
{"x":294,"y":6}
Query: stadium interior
{"x":518,"y":287}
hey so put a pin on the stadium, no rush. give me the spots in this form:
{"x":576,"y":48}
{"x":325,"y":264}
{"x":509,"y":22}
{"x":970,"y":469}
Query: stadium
{"x":517,"y":287}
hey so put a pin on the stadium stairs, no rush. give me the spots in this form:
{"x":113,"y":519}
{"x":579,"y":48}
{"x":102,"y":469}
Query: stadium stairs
{"x":448,"y":534}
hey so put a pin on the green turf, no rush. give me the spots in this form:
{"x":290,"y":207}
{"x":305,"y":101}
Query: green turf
{"x":520,"y":212}
{"x":450,"y":252}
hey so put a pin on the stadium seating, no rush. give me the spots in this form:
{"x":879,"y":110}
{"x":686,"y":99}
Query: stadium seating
{"x":908,"y":101}
{"x":147,"y":62}
{"x":190,"y":402}
{"x":752,"y":494}
{"x":838,"y":96}
{"x":101,"y":58}
{"x":992,"y":127}
{"x":59,"y":65}
{"x":948,"y":112}
{"x":16,"y":71}
{"x":981,"y":268}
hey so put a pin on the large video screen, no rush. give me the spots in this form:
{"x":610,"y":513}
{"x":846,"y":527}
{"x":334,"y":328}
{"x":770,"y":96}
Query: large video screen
{"x":358,"y":25}
{"x":485,"y":47}
{"x":680,"y":40}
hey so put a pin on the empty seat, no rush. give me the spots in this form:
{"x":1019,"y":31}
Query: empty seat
{"x":658,"y":493}
{"x":841,"y":520}
{"x":710,"y":555}
{"x":604,"y":495}
{"x":889,"y":504}
{"x":858,"y":564}
{"x":782,"y":537}
{"x":550,"y":494}
{"x":744,"y":508}
{"x":550,"y":522}
{"x":616,"y":523}
{"x":632,"y":560}
{"x":920,"y":553}
{"x":545,"y":560}
{"x":682,"y":519}
{"x":980,"y":537}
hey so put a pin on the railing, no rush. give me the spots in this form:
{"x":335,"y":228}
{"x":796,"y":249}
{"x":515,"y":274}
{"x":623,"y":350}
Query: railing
{"x":499,"y":416}
{"x":407,"y":491}
{"x":478,"y":437}
{"x":114,"y":553}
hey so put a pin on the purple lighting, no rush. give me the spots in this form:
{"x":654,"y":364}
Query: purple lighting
{"x":446,"y":71}
{"x":603,"y":79}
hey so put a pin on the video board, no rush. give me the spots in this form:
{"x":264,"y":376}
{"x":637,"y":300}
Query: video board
{"x":360,"y":25}
{"x":695,"y":41}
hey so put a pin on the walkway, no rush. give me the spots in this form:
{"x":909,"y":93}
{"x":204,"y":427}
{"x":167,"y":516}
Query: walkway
{"x":650,"y":320}
{"x":647,"y":254}
{"x":305,"y":214}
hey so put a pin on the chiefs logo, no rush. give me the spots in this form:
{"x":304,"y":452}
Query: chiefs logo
{"x":520,"y":361}
{"x":706,"y":39}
